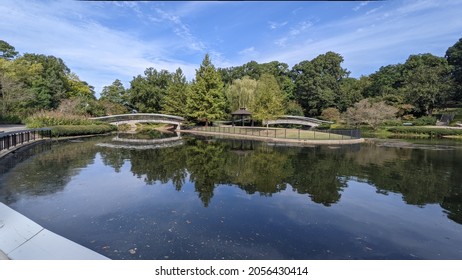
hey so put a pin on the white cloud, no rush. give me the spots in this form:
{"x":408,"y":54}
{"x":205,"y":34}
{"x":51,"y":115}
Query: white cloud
{"x":275,"y":25}
{"x":358,"y":7}
{"x":384,"y":37}
{"x":300,"y":28}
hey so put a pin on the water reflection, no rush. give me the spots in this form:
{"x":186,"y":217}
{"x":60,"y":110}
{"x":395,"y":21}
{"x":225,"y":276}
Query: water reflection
{"x":421,"y":177}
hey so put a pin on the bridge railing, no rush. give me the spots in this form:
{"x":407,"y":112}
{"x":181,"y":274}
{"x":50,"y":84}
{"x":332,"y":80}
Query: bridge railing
{"x":304,"y":119}
{"x":12,"y":139}
{"x":139,"y":117}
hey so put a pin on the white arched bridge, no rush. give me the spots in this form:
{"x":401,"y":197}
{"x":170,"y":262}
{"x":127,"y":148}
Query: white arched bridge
{"x":142,"y":118}
{"x":178,"y":121}
{"x":297,"y":120}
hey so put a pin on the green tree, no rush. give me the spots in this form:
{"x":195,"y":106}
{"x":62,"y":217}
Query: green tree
{"x":174,"y":102}
{"x":241,"y":93}
{"x":7,"y":51}
{"x":426,"y":82}
{"x":146,"y":92}
{"x":51,"y":85}
{"x":114,"y":93}
{"x":269,"y":100}
{"x":15,"y":92}
{"x":454,"y":58}
{"x":317,"y":82}
{"x":351,"y":91}
{"x":207,"y":100}
{"x":387,"y":81}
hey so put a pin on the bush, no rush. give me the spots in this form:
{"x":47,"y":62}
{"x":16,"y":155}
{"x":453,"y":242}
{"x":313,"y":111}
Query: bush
{"x":426,"y":120}
{"x":331,"y":114}
{"x":10,"y":119}
{"x":74,"y":130}
{"x":431,"y":131}
{"x":53,"y":118}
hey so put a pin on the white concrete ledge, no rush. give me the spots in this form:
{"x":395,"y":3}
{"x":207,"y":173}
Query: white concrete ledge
{"x":23,"y":239}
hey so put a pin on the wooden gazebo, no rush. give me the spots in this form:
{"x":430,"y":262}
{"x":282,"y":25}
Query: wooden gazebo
{"x":242,"y":112}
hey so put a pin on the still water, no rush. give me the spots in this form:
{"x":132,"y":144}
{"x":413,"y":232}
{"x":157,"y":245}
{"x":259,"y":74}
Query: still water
{"x":205,"y":198}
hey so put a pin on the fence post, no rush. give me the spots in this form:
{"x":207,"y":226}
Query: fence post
{"x":299,"y":134}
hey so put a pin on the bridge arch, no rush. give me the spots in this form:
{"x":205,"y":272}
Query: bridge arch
{"x":142,"y":118}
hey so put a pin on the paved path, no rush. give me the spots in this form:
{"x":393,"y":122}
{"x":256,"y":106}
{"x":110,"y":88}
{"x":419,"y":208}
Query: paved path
{"x":23,"y":239}
{"x":11,"y":127}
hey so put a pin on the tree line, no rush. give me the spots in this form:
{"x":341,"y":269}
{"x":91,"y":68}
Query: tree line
{"x":320,"y":87}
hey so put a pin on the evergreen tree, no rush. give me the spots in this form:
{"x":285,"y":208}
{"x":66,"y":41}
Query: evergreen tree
{"x":114,"y":92}
{"x":175,"y":100}
{"x":207,"y":100}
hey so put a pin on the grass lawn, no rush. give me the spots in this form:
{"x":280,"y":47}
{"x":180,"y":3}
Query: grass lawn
{"x":285,"y":133}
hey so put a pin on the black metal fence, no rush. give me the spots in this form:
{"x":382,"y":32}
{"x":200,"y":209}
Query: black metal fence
{"x":12,"y":139}
{"x":299,"y":134}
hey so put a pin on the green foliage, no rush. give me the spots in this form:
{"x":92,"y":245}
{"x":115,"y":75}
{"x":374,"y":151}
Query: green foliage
{"x":174,"y":102}
{"x":386,"y":81}
{"x":426,"y":82}
{"x":269,"y":100}
{"x":454,"y":58}
{"x":51,"y":84}
{"x":10,"y":119}
{"x":207,"y":100}
{"x":7,"y":51}
{"x":54,"y":118}
{"x":146,"y":92}
{"x":114,"y":93}
{"x":317,"y":82}
{"x":430,"y":131}
{"x":75,"y":130}
{"x":293,"y":109}
{"x":331,"y":114}
{"x":425,"y":120}
{"x":241,"y":93}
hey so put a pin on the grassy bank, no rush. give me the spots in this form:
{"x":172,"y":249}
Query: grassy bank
{"x":281,"y":133}
{"x":75,"y":130}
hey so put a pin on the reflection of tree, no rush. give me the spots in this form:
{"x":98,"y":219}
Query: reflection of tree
{"x":264,"y":170}
{"x":320,"y":173}
{"x":49,"y":172}
{"x":206,"y":161}
{"x":420,"y":176}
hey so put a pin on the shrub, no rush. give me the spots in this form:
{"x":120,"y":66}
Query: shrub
{"x":53,"y":118}
{"x":74,"y":130}
{"x":10,"y":119}
{"x":331,"y":114}
{"x":431,"y":131}
{"x":426,"y":120}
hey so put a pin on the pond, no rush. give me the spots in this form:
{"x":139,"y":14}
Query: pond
{"x":206,"y":198}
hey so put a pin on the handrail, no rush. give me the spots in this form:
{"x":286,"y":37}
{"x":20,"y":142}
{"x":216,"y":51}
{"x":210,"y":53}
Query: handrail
{"x":140,"y":115}
{"x":14,"y":138}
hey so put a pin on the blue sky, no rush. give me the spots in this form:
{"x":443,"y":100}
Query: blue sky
{"x":104,"y":41}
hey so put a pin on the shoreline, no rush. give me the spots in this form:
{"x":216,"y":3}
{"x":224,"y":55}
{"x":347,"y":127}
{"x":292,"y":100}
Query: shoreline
{"x":277,"y":140}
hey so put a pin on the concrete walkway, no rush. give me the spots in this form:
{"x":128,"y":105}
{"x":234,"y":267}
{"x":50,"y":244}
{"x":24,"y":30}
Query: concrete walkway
{"x":11,"y":127}
{"x":23,"y":239}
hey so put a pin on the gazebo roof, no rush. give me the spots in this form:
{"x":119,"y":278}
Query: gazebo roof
{"x":242,"y":112}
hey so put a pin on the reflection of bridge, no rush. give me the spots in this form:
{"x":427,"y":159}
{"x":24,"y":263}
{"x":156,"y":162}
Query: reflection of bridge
{"x":296,"y":120}
{"x":141,"y":144}
{"x":142,"y":118}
